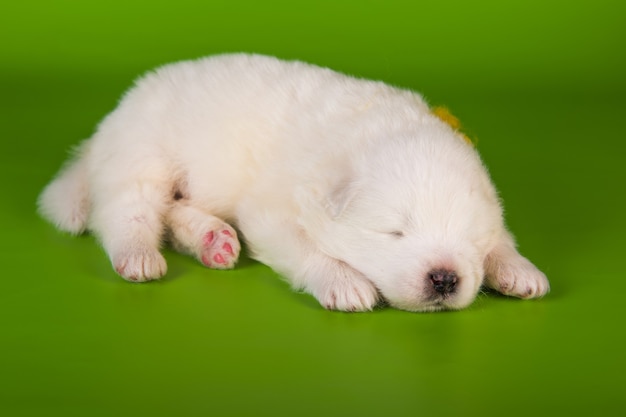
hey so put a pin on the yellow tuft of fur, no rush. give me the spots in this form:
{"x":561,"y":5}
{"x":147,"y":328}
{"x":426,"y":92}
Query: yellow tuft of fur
{"x":451,"y":120}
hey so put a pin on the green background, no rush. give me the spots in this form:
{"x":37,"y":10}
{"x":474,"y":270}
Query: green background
{"x":539,"y":83}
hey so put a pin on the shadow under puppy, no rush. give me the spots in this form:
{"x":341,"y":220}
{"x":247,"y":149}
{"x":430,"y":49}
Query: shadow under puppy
{"x":354,"y":190}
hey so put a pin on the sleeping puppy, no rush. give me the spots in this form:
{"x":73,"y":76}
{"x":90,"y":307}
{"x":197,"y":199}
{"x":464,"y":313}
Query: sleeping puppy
{"x":355,"y":191}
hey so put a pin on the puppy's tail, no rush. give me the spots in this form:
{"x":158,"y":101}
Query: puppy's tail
{"x":65,"y":201}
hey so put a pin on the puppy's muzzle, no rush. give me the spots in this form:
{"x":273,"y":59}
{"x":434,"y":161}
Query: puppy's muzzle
{"x":443,"y":281}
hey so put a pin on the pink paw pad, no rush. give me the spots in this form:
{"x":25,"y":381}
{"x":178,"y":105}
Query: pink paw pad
{"x":220,"y":248}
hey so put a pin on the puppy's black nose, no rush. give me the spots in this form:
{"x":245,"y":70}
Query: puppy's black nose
{"x":443,"y":281}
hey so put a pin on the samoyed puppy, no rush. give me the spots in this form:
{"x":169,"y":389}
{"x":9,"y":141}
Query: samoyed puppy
{"x":354,"y":190}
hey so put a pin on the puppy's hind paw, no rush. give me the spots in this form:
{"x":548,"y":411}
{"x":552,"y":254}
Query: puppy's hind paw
{"x":220,"y":248}
{"x":140,"y":265}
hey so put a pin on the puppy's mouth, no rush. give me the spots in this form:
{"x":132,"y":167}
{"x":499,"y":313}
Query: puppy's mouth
{"x":438,"y":305}
{"x":431,"y":301}
{"x":441,"y":299}
{"x":432,"y":304}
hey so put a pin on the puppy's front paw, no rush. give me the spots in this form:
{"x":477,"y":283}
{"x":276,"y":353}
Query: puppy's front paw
{"x":519,"y":278}
{"x":220,"y":248}
{"x":348,"y":291}
{"x":140,"y":265}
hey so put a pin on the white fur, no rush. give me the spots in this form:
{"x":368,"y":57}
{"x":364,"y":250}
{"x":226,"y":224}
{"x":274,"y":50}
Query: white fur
{"x":351,"y":189}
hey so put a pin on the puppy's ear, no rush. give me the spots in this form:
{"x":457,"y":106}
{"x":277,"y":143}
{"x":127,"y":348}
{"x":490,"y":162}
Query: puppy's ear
{"x":319,"y":209}
{"x":321,"y":205}
{"x":339,"y":198}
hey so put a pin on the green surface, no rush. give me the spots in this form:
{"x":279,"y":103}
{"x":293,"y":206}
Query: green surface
{"x":540,"y":84}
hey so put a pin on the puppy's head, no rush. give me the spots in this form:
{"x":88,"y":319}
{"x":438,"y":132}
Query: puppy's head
{"x":416,"y":217}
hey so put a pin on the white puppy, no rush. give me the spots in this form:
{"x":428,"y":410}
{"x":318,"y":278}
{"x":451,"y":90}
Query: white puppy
{"x":352,"y":189}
